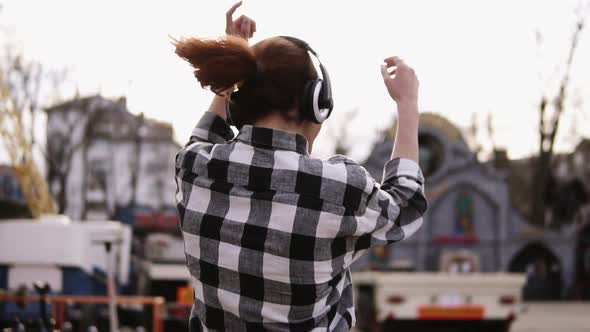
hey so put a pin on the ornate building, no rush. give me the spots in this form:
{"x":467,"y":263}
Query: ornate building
{"x":474,"y":222}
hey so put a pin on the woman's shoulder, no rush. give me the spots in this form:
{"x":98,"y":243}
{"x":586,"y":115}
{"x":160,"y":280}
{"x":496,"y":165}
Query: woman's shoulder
{"x":350,"y":165}
{"x":357,"y":181}
{"x":339,"y":158}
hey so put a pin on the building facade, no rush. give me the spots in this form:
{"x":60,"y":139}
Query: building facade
{"x":107,"y":163}
{"x":473,"y":223}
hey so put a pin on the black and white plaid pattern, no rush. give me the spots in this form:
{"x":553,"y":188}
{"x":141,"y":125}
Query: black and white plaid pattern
{"x":270,"y":232}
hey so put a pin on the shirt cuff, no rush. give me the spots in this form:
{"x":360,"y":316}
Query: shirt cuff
{"x":402,"y":167}
{"x":212,"y":128}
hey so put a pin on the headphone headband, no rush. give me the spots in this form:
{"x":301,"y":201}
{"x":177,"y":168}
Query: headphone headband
{"x":317,"y":99}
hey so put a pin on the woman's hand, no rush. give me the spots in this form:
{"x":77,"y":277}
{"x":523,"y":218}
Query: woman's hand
{"x":403,"y":86}
{"x":242,"y":27}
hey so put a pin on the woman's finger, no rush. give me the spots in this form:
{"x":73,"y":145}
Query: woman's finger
{"x":253,"y":28}
{"x":238,"y":22}
{"x":229,"y":18}
{"x":393,"y":61}
{"x":247,"y":27}
{"x":245,"y":31}
{"x":384,"y":73}
{"x":232,"y":10}
{"x":237,"y":26}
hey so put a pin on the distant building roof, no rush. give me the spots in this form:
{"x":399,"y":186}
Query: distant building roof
{"x":75,"y":103}
{"x":112,"y":119}
{"x":435,"y":121}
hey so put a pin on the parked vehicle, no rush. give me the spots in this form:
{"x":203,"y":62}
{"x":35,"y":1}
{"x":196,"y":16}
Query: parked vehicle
{"x":69,"y":257}
{"x":437,"y":301}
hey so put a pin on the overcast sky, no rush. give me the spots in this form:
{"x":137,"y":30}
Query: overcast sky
{"x":472,"y":56}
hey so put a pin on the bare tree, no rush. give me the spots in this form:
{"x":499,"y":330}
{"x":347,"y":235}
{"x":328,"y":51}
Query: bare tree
{"x":23,"y":81}
{"x":551,"y":109}
{"x":20,"y":82}
{"x":63,"y":144}
{"x":481,"y":136}
{"x":60,"y":152}
{"x":490,"y":131}
{"x":472,"y":132}
{"x":13,"y":103}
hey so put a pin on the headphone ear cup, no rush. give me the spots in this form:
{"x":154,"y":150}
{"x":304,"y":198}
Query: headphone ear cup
{"x":307,"y":100}
{"x":310,"y":102}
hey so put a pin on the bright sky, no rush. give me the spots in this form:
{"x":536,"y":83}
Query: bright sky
{"x":471,"y":56}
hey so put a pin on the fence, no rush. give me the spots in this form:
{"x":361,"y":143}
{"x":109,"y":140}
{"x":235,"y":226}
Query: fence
{"x":59,"y":302}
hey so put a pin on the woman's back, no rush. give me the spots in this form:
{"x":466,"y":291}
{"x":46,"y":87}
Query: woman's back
{"x":270,"y":232}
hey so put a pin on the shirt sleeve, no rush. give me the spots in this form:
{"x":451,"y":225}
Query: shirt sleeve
{"x":395,"y":208}
{"x":210,"y":130}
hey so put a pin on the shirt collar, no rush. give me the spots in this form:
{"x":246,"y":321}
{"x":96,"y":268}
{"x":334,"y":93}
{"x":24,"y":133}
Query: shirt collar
{"x":273,"y":138}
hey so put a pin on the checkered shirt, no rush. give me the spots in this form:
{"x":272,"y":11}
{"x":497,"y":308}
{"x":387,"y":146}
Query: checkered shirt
{"x":270,"y":233}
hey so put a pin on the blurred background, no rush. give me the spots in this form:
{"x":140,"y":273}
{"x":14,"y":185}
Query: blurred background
{"x":94,"y":105}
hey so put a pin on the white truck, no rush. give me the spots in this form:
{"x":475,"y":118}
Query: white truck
{"x":67,"y":254}
{"x":455,"y":299}
{"x":70,"y":257}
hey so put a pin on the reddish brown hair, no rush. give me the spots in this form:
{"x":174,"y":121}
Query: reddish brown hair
{"x":271,"y":74}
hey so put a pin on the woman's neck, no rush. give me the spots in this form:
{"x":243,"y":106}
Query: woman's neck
{"x":278,"y":121}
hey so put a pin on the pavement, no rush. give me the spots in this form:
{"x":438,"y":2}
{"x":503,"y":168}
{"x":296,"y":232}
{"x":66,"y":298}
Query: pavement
{"x":551,"y":316}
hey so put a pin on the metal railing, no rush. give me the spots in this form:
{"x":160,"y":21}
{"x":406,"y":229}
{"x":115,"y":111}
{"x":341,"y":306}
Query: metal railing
{"x":60,"y":302}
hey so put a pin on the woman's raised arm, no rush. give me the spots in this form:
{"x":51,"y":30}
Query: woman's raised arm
{"x":245,"y":28}
{"x":402,"y":85}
